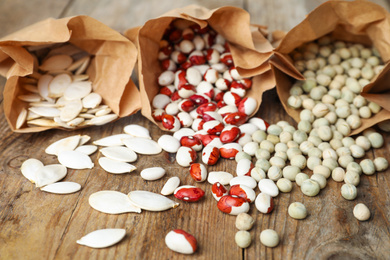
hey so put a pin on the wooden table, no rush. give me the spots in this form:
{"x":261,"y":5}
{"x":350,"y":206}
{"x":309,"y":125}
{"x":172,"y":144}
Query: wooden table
{"x":39,"y":225}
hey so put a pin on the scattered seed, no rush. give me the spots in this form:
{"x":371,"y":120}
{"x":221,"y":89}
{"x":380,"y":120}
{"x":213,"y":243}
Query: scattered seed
{"x":102,"y":238}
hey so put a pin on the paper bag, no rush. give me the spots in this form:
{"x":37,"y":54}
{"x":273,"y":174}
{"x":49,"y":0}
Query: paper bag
{"x":357,"y":21}
{"x":114,"y":57}
{"x":249,"y":48}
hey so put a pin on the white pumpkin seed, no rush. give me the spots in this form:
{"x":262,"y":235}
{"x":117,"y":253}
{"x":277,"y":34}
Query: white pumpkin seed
{"x":119,"y":153}
{"x":153,"y":173}
{"x":151,"y":201}
{"x":62,"y":123}
{"x":84,"y":139}
{"x":94,"y":110}
{"x":170,"y":186}
{"x":83,"y":67}
{"x":42,"y":122}
{"x":75,"y":65}
{"x":103,"y":112}
{"x":30,"y":98}
{"x":31,"y":116}
{"x":45,"y":111}
{"x":66,"y":144}
{"x":21,"y":118}
{"x":43,"y":87}
{"x":87,"y":116}
{"x":30,"y":167}
{"x":112,"y":140}
{"x":58,"y":85}
{"x":71,"y":110}
{"x":87,"y":149}
{"x":63,"y":187}
{"x":112,"y":202}
{"x":169,"y":143}
{"x":49,"y":174}
{"x":92,"y":100}
{"x":56,"y":62}
{"x":31,"y":88}
{"x":102,"y":238}
{"x":101,"y":120}
{"x":78,"y":90}
{"x":80,"y":77}
{"x":75,"y":160}
{"x":115,"y":167}
{"x":43,"y":104}
{"x":76,"y":121}
{"x":137,"y":131}
{"x":142,"y":145}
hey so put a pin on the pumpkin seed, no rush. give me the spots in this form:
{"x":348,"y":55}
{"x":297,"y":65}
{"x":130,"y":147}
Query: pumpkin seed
{"x":137,"y":131}
{"x":115,"y":167}
{"x":59,"y":84}
{"x":75,"y":160}
{"x":21,"y":118}
{"x":87,"y":149}
{"x":112,"y":140}
{"x":56,"y":62}
{"x":64,"y":187}
{"x":112,"y":202}
{"x":119,"y":153}
{"x":102,"y":238}
{"x":151,"y":201}
{"x":142,"y":145}
{"x":66,"y":144}
{"x":78,"y":90}
{"x":30,"y":167}
{"x":101,"y":120}
{"x":49,"y":174}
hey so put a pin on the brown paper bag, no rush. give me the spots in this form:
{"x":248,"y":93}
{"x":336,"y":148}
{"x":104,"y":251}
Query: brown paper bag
{"x":248,"y":46}
{"x":109,"y":70}
{"x":359,"y":21}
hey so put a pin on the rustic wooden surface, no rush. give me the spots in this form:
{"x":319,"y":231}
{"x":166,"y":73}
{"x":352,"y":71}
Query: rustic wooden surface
{"x":39,"y":225}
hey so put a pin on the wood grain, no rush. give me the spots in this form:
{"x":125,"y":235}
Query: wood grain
{"x":39,"y":225}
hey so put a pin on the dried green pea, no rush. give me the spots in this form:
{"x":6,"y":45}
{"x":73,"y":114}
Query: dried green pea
{"x":373,"y":61}
{"x":361,"y":212}
{"x":308,"y":85}
{"x":243,"y":239}
{"x":267,"y":145}
{"x":341,"y":102}
{"x":293,"y":151}
{"x":244,"y":221}
{"x":359,"y":101}
{"x":323,"y":146}
{"x":304,"y":126}
{"x":308,"y":104}
{"x":325,"y":51}
{"x":321,"y":62}
{"x":322,"y":170}
{"x":348,"y":141}
{"x":273,"y":139}
{"x":281,"y":154}
{"x":281,"y":147}
{"x":289,"y":128}
{"x":338,"y":174}
{"x":354,"y":167}
{"x":300,"y":178}
{"x":282,"y":123}
{"x":308,"y":74}
{"x":296,"y":90}
{"x":344,"y":53}
{"x":344,"y":128}
{"x":263,"y":164}
{"x":320,"y":122}
{"x":381,"y":164}
{"x":284,"y":185}
{"x":310,"y":187}
{"x":337,"y":135}
{"x":384,"y":125}
{"x":277,"y":161}
{"x":365,"y":112}
{"x":269,"y":238}
{"x":335,"y":143}
{"x":242,"y":155}
{"x":365,"y":53}
{"x":368,"y":166}
{"x":299,"y":136}
{"x":329,"y":154}
{"x":285,"y":136}
{"x":354,"y":73}
{"x":343,"y":111}
{"x":306,"y":146}
{"x":317,"y":93}
{"x":352,"y":177}
{"x":343,"y":151}
{"x":376,"y":140}
{"x":258,"y":174}
{"x":320,"y":179}
{"x":315,"y":152}
{"x":297,"y":210}
{"x":348,"y":191}
{"x":259,"y":135}
{"x":292,"y":144}
{"x":334,"y":59}
{"x":298,"y":161}
{"x":274,"y":173}
{"x":314,"y":140}
{"x":320,"y":110}
{"x":331,"y":117}
{"x":368,"y":131}
{"x":290,"y":172}
{"x":313,"y":162}
{"x":330,"y":163}
{"x":357,"y":62}
{"x":294,"y":102}
{"x":354,"y":121}
{"x":344,"y":160}
{"x":357,"y":151}
{"x":367,"y":73}
{"x":274,"y":130}
{"x":363,"y":142}
{"x":374,"y":107}
{"x":325,"y":133}
{"x":262,"y":154}
{"x":348,"y":94}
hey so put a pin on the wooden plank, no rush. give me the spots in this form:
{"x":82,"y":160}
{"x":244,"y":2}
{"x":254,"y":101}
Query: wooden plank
{"x":122,"y":15}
